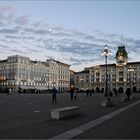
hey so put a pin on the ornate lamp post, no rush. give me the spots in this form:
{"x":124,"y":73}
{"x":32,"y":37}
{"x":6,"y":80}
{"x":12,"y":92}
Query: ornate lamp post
{"x":106,"y":52}
{"x":130,"y":69}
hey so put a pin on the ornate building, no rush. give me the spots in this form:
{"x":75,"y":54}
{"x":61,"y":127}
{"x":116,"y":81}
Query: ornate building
{"x":19,"y":72}
{"x":63,"y":76}
{"x":82,"y":80}
{"x":120,"y":75}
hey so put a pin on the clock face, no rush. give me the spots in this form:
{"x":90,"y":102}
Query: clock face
{"x":121,"y":57}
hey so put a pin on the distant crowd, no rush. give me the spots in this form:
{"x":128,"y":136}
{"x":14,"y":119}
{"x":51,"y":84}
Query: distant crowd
{"x":74,"y":93}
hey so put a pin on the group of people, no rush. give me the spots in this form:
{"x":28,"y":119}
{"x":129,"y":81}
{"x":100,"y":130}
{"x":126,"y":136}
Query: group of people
{"x":73,"y":94}
{"x":89,"y":92}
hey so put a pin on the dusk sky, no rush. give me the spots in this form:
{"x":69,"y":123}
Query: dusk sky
{"x":73,"y":32}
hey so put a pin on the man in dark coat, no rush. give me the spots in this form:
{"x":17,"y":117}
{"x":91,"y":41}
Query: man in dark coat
{"x":54,"y":92}
{"x":128,"y":93}
{"x":72,"y":93}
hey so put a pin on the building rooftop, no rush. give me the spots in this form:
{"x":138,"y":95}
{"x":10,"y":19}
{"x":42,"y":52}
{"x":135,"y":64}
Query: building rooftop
{"x":84,"y":71}
{"x":3,"y":61}
{"x":61,"y":63}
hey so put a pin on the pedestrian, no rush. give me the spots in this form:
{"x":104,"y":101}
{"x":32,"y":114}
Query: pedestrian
{"x":115,"y":91}
{"x":90,"y":92}
{"x":75,"y":95}
{"x":110,"y":93}
{"x":87,"y":91}
{"x":93,"y":91}
{"x":128,"y":93}
{"x":54,"y":92}
{"x":72,"y":92}
{"x":10,"y":91}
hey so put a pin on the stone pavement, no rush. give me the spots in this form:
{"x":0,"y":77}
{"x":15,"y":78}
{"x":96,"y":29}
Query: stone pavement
{"x":27,"y":116}
{"x":126,"y":125}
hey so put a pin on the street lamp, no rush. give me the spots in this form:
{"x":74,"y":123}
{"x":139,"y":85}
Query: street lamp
{"x":130,"y":69}
{"x":106,"y":52}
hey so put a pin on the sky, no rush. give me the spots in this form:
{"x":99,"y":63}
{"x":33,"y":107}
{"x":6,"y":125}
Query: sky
{"x":73,"y":32}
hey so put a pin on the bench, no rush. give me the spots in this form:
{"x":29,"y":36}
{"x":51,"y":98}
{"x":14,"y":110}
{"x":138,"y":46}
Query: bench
{"x":64,"y":112}
{"x":107,"y":103}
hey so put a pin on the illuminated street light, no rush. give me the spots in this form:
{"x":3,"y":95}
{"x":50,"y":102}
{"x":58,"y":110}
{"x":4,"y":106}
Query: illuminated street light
{"x":106,"y":52}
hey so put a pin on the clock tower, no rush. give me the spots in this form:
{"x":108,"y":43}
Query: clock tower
{"x":121,"y":56}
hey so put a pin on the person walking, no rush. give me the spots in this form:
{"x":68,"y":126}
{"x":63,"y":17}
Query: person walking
{"x":54,"y":92}
{"x":128,"y":93}
{"x":87,"y":91}
{"x":10,"y":91}
{"x":90,"y":92}
{"x":75,"y":95}
{"x":115,"y":92}
{"x":71,"y":93}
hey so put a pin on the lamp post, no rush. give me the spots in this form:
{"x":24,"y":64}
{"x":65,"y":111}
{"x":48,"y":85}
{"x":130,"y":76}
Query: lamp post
{"x":106,"y":52}
{"x":130,"y":69}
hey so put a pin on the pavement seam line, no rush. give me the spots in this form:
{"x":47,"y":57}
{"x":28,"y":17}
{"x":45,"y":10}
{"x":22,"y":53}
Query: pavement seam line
{"x":78,"y":130}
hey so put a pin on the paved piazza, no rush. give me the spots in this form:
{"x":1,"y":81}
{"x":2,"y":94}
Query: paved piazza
{"x":28,"y":115}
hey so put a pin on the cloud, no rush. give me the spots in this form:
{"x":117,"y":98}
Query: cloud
{"x":22,"y":20}
{"x":18,"y":51}
{"x":38,"y":39}
{"x":6,"y":15}
{"x":39,"y":24}
{"x":34,"y":50}
{"x":2,"y":46}
{"x":8,"y":31}
{"x":5,"y":9}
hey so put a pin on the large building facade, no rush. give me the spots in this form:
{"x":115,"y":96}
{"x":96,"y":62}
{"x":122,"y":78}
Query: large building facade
{"x":21,"y":73}
{"x":120,"y":75}
{"x":63,"y":76}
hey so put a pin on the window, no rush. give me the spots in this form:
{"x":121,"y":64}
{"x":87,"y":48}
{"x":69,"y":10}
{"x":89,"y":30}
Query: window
{"x":114,"y":69}
{"x":120,"y":73}
{"x":134,"y":74}
{"x":120,"y":79}
{"x":97,"y":79}
{"x":97,"y":74}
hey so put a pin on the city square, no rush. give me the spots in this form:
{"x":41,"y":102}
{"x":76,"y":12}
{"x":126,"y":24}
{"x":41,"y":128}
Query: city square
{"x":27,"y":116}
{"x":69,"y":69}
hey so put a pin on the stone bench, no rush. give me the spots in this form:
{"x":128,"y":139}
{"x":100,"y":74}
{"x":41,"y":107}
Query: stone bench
{"x":107,"y":103}
{"x":64,"y":112}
